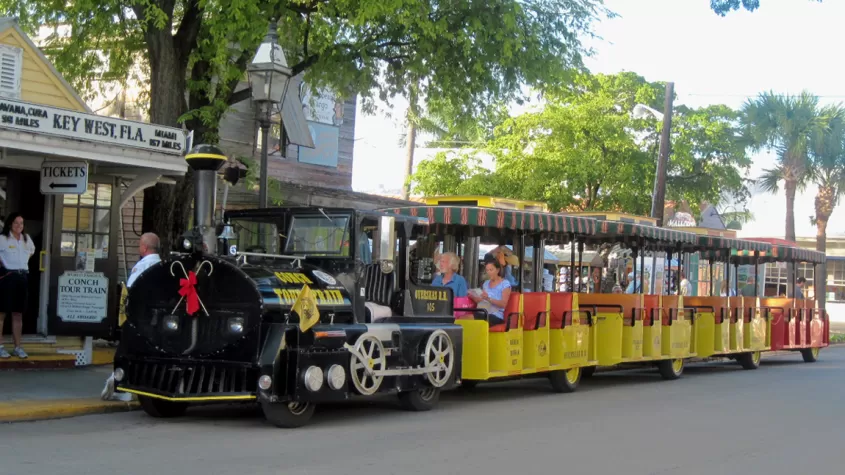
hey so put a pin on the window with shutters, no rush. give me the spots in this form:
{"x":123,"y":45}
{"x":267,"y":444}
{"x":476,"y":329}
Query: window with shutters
{"x":11,"y":63}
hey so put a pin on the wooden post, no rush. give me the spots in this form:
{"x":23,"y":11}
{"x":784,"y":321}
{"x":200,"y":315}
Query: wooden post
{"x":659,"y":194}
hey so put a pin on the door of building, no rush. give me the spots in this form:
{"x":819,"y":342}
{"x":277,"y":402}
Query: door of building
{"x":79,"y":296}
{"x":19,"y":192}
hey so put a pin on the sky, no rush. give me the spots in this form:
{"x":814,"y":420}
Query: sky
{"x":785,"y":46}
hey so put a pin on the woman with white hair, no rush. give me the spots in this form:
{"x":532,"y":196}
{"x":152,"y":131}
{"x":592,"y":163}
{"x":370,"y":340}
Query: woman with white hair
{"x":448,"y":264}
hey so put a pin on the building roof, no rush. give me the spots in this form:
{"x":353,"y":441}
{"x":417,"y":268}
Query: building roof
{"x":12,"y":23}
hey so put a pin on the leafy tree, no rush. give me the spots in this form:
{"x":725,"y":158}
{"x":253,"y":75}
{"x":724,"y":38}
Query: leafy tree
{"x":195,"y":53}
{"x":827,"y":154}
{"x":723,"y":7}
{"x":787,"y":125}
{"x":584,"y":151}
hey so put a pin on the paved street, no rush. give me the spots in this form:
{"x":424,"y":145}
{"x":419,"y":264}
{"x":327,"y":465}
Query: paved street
{"x":785,"y":418}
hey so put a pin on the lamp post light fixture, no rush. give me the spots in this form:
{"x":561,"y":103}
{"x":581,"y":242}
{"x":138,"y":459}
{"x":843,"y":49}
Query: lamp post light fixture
{"x":269,"y":77}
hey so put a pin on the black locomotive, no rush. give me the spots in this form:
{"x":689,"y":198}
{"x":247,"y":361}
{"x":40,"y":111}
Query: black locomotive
{"x":300,"y":309}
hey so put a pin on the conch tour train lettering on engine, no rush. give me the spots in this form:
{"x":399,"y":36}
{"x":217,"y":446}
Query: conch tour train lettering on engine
{"x":289,"y":308}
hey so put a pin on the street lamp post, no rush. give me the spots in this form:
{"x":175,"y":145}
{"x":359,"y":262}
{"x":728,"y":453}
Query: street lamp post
{"x":269,"y":76}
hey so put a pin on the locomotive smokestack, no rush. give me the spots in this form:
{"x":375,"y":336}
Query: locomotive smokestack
{"x":205,"y":160}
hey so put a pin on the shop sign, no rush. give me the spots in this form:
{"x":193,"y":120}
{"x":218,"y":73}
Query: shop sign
{"x":83,"y":297}
{"x":64,"y":177}
{"x":90,"y":127}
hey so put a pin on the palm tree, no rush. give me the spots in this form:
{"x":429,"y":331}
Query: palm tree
{"x":786,"y":124}
{"x":827,"y":153}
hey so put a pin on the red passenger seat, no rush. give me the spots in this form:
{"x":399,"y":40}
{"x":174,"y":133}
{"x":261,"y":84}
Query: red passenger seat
{"x":561,"y":306}
{"x":512,"y":312}
{"x":534,"y":304}
{"x":650,"y":303}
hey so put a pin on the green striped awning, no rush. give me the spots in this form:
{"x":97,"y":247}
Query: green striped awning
{"x":785,"y":253}
{"x":717,"y":242}
{"x":529,"y":221}
{"x":618,"y":230}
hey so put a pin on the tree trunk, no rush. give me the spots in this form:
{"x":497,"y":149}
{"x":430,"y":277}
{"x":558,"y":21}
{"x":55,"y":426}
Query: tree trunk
{"x":790,"y":186}
{"x":167,"y":104}
{"x":824,"y":208}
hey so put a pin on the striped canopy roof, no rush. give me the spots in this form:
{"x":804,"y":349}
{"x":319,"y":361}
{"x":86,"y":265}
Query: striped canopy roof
{"x":622,"y":231}
{"x":529,"y":221}
{"x":717,"y":242}
{"x":783,"y":253}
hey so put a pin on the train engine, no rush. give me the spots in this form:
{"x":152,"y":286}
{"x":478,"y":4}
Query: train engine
{"x":286,"y":331}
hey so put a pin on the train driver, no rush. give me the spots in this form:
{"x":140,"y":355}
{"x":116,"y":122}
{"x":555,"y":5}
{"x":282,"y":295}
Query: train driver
{"x":448,"y":263}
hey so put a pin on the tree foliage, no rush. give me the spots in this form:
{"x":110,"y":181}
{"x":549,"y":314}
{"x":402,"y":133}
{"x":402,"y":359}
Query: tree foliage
{"x":723,"y":7}
{"x":585,"y":151}
{"x":193,"y":54}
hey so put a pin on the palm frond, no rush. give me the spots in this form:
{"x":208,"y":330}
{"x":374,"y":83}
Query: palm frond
{"x":770,"y":180}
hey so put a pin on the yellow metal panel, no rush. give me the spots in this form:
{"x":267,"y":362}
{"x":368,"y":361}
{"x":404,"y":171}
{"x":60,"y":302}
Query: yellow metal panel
{"x":756,"y":335}
{"x":506,"y":352}
{"x":608,"y":338}
{"x":475,"y":358}
{"x":705,"y":331}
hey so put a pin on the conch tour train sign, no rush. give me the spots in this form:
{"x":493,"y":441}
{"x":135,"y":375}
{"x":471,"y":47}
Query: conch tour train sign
{"x":79,"y":125}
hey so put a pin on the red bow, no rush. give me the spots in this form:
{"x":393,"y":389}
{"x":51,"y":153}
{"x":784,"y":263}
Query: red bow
{"x":189,"y":291}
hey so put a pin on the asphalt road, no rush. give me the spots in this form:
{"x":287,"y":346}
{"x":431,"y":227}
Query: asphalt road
{"x":787,"y":417}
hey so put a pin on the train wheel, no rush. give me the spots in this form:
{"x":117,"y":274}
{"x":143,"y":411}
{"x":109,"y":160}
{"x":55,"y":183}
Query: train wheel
{"x":289,"y":415}
{"x":565,"y":381}
{"x":810,"y":355}
{"x":439,"y":351}
{"x":162,"y":409}
{"x":420,"y":400}
{"x":671,"y":369}
{"x":588,"y":372}
{"x":750,"y":360}
{"x":373,"y":351}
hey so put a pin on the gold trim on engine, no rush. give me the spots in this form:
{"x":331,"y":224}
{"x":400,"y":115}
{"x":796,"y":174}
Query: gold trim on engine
{"x":244,"y":397}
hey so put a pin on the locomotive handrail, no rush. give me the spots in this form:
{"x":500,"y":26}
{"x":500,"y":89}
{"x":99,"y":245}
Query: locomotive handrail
{"x":572,"y":312}
{"x":295,"y":259}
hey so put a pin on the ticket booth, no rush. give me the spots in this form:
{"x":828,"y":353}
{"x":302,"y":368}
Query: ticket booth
{"x":69,"y":172}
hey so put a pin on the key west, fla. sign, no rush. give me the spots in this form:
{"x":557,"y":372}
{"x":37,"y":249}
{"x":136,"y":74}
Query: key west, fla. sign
{"x":79,"y":125}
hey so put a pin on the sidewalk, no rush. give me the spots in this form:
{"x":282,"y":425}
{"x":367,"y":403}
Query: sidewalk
{"x":50,"y":394}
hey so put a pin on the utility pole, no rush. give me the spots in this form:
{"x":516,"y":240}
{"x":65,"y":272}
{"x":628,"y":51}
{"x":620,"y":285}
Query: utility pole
{"x":411,"y":142}
{"x":658,"y":201}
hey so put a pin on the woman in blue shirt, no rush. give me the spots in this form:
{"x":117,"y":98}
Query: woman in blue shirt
{"x":448,"y":263}
{"x":496,"y":291}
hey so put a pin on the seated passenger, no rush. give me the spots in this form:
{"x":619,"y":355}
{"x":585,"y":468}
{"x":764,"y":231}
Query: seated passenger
{"x":448,"y":263}
{"x":495,"y":293}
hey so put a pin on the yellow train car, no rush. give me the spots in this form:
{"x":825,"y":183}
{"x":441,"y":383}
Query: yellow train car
{"x":486,"y":202}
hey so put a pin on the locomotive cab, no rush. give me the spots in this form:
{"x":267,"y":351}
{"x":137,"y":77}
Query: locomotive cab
{"x":289,"y":308}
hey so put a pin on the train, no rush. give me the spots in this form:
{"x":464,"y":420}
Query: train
{"x":293,"y":307}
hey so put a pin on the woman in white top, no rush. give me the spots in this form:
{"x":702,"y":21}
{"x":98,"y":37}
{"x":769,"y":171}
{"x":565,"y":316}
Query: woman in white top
{"x":16,"y":248}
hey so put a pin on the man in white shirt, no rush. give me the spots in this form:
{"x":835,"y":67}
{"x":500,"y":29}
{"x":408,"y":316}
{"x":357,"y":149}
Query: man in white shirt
{"x":686,"y":286}
{"x":148,"y":248}
{"x":16,"y":248}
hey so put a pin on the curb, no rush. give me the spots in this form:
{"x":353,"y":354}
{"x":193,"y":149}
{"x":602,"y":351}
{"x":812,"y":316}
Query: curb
{"x":20,"y":411}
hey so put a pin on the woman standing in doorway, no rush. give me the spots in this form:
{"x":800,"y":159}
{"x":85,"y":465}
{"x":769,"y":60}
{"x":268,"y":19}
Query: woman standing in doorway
{"x":16,"y":248}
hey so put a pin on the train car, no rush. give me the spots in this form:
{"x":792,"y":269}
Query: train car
{"x":307,"y":315}
{"x":799,"y":325}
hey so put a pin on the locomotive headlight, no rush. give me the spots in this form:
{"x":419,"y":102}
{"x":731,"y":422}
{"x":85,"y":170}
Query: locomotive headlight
{"x":186,"y":244}
{"x":118,"y":374}
{"x":314,"y":378}
{"x":236,"y":325}
{"x":264,"y":382}
{"x":171,"y":322}
{"x":336,"y":376}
